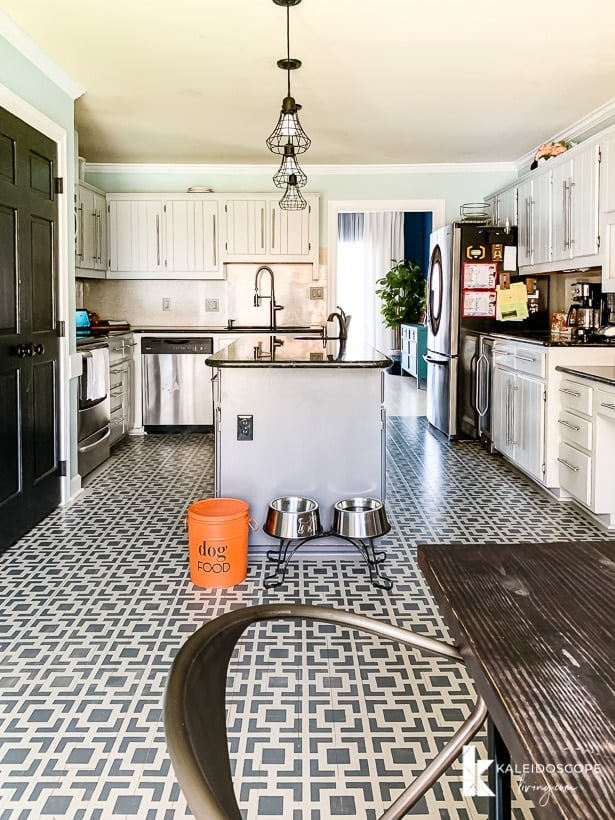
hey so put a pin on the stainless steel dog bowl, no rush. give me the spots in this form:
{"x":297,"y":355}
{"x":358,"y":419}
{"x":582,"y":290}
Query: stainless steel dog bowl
{"x":292,"y":517}
{"x":360,"y":518}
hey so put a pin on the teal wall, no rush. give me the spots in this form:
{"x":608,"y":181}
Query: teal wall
{"x":454,"y":188}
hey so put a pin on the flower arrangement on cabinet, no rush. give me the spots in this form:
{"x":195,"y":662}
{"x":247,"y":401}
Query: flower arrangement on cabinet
{"x":548,"y":150}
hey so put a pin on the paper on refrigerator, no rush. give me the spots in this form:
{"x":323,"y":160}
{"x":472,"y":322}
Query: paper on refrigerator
{"x":511,"y":303}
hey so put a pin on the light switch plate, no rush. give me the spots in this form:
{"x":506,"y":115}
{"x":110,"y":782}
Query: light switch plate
{"x":212,"y":305}
{"x":317,"y":293}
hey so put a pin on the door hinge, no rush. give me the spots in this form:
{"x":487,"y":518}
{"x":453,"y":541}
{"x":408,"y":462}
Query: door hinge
{"x":58,"y":183}
{"x":61,"y":328}
{"x":543,"y":468}
{"x":62,"y":468}
{"x":599,"y":156}
{"x":598,"y":242}
{"x":544,"y":394}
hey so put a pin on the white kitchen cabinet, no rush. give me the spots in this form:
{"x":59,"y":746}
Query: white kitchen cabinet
{"x":586,"y":421}
{"x":574,"y":211}
{"x":607,"y":211}
{"x":519,"y":406}
{"x":258,"y":230}
{"x":163,"y":237}
{"x":191,"y":234}
{"x":533,"y":212}
{"x":90,"y":232}
{"x":503,"y":206}
{"x":135,"y":237}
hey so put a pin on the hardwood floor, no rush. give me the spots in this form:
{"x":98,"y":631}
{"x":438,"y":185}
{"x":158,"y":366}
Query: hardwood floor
{"x":401,"y":396}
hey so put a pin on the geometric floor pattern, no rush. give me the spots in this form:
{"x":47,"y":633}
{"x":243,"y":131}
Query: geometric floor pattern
{"x":323,"y":723}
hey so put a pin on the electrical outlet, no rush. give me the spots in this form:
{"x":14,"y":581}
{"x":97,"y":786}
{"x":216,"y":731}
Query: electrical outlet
{"x":316,"y":293}
{"x":245,"y":428}
{"x":166,"y":303}
{"x":212,"y":305}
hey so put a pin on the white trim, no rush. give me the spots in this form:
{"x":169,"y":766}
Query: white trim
{"x":597,"y":120}
{"x":26,"y":46}
{"x":318,"y":170}
{"x":30,"y":115}
{"x":437,"y":207}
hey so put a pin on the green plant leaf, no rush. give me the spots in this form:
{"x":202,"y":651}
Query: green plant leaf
{"x":402,"y":293}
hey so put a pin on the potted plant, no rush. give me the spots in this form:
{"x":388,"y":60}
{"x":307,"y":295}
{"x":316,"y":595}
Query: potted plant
{"x":402,"y":297}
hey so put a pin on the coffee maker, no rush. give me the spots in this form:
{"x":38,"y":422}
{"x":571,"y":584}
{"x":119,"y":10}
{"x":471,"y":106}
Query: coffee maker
{"x":607,"y":310}
{"x":585,"y":313}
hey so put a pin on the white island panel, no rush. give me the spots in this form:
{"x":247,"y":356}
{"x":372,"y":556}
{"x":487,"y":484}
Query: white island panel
{"x":317,"y":432}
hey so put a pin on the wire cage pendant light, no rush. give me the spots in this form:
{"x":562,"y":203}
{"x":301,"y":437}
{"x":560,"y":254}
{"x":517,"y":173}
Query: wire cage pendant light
{"x":288,"y":137}
{"x":293,"y":199}
{"x":289,"y":167}
{"x":288,"y":129}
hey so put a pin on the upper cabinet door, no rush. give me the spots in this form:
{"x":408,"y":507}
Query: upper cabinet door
{"x":191,"y":236}
{"x":246,"y":227}
{"x":525,"y":222}
{"x":136,"y":236}
{"x":584,"y":204}
{"x":90,"y":232}
{"x":258,"y":230}
{"x":541,"y":221}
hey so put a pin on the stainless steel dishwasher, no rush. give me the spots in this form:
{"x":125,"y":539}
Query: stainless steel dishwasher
{"x":176,"y":384}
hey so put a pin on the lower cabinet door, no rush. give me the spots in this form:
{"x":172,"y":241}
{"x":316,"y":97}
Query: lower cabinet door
{"x":529,"y":419}
{"x":501,"y":412}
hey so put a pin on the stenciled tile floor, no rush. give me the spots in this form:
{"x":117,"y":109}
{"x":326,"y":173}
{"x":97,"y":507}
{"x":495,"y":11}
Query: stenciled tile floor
{"x":96,"y":601}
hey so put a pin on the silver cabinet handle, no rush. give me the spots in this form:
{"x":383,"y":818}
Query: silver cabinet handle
{"x":514,"y":441}
{"x":80,"y":231}
{"x":570,"y":223}
{"x":158,"y":239}
{"x":565,"y":226}
{"x":262,"y":228}
{"x":272,"y":228}
{"x":215,"y":241}
{"x":568,"y":424}
{"x":569,"y":392}
{"x":607,"y":405}
{"x":569,"y":465}
{"x":524,"y":358}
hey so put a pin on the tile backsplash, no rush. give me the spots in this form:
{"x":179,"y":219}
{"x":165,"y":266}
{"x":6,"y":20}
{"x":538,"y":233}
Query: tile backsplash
{"x":140,"y":301}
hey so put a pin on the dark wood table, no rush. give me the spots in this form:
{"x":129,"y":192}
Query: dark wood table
{"x":536,"y":626}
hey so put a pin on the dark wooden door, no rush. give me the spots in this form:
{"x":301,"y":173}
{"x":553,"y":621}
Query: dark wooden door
{"x":29,"y":374}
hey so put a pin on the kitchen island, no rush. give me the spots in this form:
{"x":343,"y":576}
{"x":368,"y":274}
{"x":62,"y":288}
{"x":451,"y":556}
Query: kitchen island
{"x":298,"y":416}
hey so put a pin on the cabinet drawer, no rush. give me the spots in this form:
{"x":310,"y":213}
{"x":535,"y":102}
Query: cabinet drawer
{"x":575,"y":470}
{"x":575,"y":430}
{"x":576,"y":396}
{"x":530,"y":360}
{"x":605,"y":404}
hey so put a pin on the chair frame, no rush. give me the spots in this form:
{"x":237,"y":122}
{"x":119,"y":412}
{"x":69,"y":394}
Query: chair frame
{"x":197,"y":739}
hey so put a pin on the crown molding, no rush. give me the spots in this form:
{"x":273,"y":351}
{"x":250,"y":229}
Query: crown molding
{"x":319,"y":170}
{"x":597,"y":120}
{"x":26,"y":46}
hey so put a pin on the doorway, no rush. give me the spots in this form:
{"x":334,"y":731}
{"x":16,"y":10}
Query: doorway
{"x":30,"y":481}
{"x":416,"y":216}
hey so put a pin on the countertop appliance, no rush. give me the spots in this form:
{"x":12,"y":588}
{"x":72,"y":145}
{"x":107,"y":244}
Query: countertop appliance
{"x":93,"y":413}
{"x":176,"y":385}
{"x":466,"y":263}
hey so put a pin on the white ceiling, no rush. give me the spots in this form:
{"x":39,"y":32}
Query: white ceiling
{"x":392,"y":81}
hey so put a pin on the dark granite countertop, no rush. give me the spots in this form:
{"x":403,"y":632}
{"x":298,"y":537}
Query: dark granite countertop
{"x":598,"y":373}
{"x":544,"y":337}
{"x":236,"y":329}
{"x":283,"y":351}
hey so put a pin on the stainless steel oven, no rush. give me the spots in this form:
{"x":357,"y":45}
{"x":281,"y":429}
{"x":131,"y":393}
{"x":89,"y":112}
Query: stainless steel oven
{"x":93,"y":431}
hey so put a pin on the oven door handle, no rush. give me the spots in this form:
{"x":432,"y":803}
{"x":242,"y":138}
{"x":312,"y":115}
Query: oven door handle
{"x":89,"y":447}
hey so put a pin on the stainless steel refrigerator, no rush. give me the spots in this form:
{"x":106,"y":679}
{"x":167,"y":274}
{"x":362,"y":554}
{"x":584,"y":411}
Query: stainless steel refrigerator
{"x":466,"y":264}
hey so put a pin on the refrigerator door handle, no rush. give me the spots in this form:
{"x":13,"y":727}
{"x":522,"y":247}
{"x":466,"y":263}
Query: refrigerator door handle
{"x":441,"y":362}
{"x":482,"y":366}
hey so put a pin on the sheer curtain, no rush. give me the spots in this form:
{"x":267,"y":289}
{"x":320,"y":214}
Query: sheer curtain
{"x":367,"y":243}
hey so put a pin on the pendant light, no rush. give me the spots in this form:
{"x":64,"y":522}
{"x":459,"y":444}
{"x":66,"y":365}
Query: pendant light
{"x":292,"y":199}
{"x":289,"y":167}
{"x":288,"y":130}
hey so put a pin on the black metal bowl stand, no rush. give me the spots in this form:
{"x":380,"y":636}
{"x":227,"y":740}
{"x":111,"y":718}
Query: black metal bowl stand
{"x":289,"y":546}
